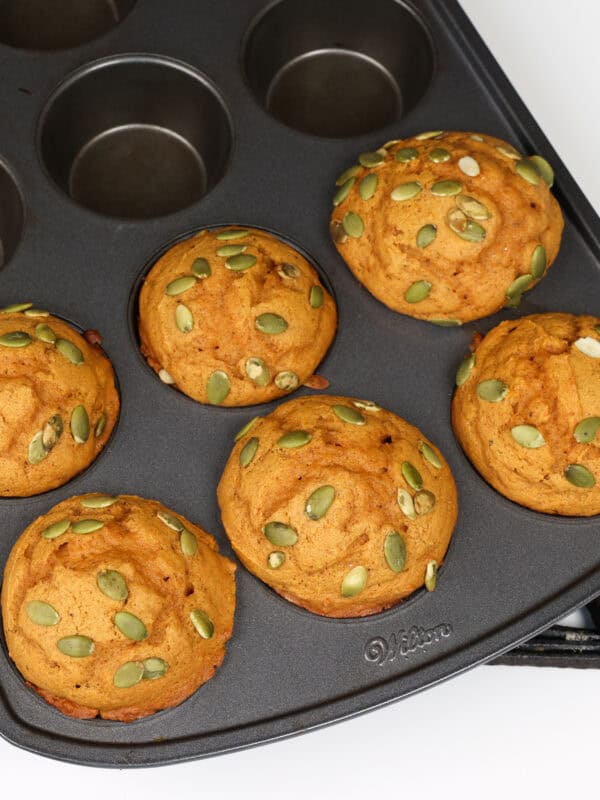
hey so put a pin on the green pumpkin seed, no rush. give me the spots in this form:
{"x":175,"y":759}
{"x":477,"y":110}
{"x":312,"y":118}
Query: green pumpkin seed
{"x":280,"y":534}
{"x":36,"y":312}
{"x":287,"y":381}
{"x":406,"y":191}
{"x":528,"y":436}
{"x":344,"y":190}
{"x":247,"y":427}
{"x":508,"y":151}
{"x":405,"y":154}
{"x":446,"y":188}
{"x":288,"y":271}
{"x":113,"y":585}
{"x":98,"y":501}
{"x":476,"y":137}
{"x":406,"y":503}
{"x":429,"y":135}
{"x":338,"y":235}
{"x":394,"y":550}
{"x":201,"y":268}
{"x":52,"y":431}
{"x":233,"y":233}
{"x":15,"y":339}
{"x":248,"y":451}
{"x":467,"y":229}
{"x":203,"y":623}
{"x":180,"y":285}
{"x":154,"y":668}
{"x":56,"y":529}
{"x":446,"y":323}
{"x":257,"y":371}
{"x":130,"y":626}
{"x":585,"y":431}
{"x":518,"y":286}
{"x":439,"y":155}
{"x":372,"y":159}
{"x":426,"y":235}
{"x":316,"y":296}
{"x":492,"y":391}
{"x":417,"y":291}
{"x":539,"y":262}
{"x":70,"y":351}
{"x":464,"y":369}
{"x":544,"y":169}
{"x":412,"y":476}
{"x":83,"y":526}
{"x":472,"y":208}
{"x":184,"y":319}
{"x":15,"y":308}
{"x":351,"y":172}
{"x":319,"y":503}
{"x":80,"y":425}
{"x":240,"y":263}
{"x":36,"y":451}
{"x":588,"y":346}
{"x":231,"y":250}
{"x":527,"y":171}
{"x":424,"y":502}
{"x":188,"y":543}
{"x":42,"y":613}
{"x":217,"y":387}
{"x":45,"y":333}
{"x":354,"y":581}
{"x":430,"y":455}
{"x":76,"y":646}
{"x":348,"y":414}
{"x":128,"y":675}
{"x":275,"y":559}
{"x":271,"y":323}
{"x":101,"y":425}
{"x":580,"y":476}
{"x":431,"y":575}
{"x":293,"y":439}
{"x":469,"y":165}
{"x":353,"y":224}
{"x":170,"y":521}
{"x":166,"y":377}
{"x":368,"y":186}
{"x":367,"y":405}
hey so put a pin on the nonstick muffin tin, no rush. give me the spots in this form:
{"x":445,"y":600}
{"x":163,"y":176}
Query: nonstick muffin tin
{"x":160,"y":119}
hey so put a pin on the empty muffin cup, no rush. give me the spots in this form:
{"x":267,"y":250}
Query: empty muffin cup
{"x":11,"y":215}
{"x":135,"y":136}
{"x":335,"y":69}
{"x":57,"y":24}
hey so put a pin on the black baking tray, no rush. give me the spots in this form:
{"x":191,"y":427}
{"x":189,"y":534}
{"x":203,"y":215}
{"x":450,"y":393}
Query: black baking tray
{"x":510,"y":572}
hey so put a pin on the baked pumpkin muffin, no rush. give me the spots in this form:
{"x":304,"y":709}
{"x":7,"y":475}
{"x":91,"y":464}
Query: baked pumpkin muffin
{"x":527,"y":410}
{"x":340,"y":506}
{"x":447,"y":226}
{"x":234,"y":317}
{"x":58,"y":397}
{"x":116,"y":606}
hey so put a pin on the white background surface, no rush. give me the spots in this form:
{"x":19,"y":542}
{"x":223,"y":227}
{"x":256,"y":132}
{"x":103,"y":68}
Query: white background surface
{"x":495,"y":732}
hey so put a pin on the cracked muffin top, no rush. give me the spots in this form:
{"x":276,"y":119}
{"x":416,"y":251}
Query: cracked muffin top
{"x":527,"y":411}
{"x":447,"y":226}
{"x":339,"y":505}
{"x":58,"y":398}
{"x":234,"y":317}
{"x":116,"y":606}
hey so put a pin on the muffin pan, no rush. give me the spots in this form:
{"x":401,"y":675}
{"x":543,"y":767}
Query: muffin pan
{"x":196,"y":114}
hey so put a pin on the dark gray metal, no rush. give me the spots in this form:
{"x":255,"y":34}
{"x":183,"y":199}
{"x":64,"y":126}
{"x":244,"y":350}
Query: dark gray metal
{"x":510,"y":572}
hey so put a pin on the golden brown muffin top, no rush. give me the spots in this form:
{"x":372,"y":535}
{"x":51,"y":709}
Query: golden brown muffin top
{"x":447,"y":226}
{"x":116,"y":606}
{"x":340,"y":506}
{"x":527,"y":410}
{"x":234,"y":316}
{"x":59,"y":401}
